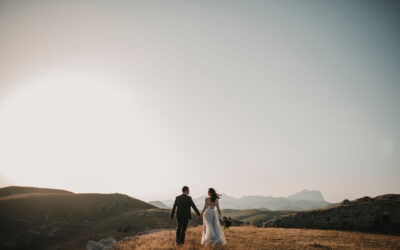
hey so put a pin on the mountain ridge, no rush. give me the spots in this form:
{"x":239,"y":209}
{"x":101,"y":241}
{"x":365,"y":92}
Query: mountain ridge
{"x":306,"y":194}
{"x":303,"y":200}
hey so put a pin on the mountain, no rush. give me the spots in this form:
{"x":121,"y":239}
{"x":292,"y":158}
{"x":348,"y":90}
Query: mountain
{"x":304,"y":200}
{"x":38,"y":218}
{"x":158,"y":204}
{"x":313,"y":195}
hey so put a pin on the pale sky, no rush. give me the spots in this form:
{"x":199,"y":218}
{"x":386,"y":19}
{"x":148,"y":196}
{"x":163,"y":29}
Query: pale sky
{"x":249,"y":97}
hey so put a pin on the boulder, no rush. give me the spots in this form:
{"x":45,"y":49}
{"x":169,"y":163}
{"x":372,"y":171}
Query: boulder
{"x":364,"y":199}
{"x":345,"y":202}
{"x":103,"y":244}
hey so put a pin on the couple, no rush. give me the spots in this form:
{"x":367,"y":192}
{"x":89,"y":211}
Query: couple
{"x":212,"y":233}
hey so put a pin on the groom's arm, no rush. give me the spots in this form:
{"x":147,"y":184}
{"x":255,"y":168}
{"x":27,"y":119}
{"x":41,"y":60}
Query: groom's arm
{"x":194,"y":207}
{"x":173,"y":210}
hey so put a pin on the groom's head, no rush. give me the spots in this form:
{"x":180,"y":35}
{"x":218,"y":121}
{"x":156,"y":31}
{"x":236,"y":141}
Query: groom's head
{"x":185,"y":190}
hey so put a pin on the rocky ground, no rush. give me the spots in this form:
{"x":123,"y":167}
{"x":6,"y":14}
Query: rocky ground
{"x":380,"y":214}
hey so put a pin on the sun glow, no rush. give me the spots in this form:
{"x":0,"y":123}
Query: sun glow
{"x":65,"y":130}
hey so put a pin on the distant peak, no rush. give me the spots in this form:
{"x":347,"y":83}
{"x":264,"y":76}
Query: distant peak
{"x":312,"y":195}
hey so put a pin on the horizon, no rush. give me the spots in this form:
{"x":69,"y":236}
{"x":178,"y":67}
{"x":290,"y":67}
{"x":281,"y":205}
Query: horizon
{"x":143,"y":97}
{"x":200,"y":195}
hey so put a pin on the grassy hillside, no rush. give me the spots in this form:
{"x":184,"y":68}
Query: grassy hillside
{"x":267,"y":238}
{"x":15,"y":190}
{"x":49,"y":219}
{"x":254,"y":217}
{"x":380,"y":214}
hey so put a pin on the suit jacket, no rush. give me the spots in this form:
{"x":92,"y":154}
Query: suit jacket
{"x":182,"y":204}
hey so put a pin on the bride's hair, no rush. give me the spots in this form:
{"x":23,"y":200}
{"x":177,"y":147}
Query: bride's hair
{"x":214,"y":196}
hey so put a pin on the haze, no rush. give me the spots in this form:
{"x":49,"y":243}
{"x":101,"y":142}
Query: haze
{"x":249,"y":97}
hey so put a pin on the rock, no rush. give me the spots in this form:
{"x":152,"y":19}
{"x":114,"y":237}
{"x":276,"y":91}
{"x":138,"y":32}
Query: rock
{"x":363,"y":199}
{"x":388,"y":197}
{"x":52,"y":232}
{"x":345,"y":202}
{"x":103,"y":244}
{"x":270,"y":222}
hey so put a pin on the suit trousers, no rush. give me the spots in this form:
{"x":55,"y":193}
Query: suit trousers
{"x":181,"y":230}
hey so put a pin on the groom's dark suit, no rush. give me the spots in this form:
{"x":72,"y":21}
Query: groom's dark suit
{"x":183,"y":215}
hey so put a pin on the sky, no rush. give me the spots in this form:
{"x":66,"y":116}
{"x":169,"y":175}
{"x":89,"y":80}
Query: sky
{"x":248,"y":97}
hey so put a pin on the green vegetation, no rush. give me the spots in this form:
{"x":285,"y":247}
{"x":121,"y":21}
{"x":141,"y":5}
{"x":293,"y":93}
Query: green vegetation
{"x":254,"y":217}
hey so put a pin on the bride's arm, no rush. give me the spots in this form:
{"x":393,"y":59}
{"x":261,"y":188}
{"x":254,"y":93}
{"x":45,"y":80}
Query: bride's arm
{"x":205,"y":206}
{"x":219,"y":211}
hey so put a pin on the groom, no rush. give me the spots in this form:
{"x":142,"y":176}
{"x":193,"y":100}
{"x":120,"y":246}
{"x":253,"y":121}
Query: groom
{"x":183,"y":215}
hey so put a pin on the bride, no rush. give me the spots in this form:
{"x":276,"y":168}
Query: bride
{"x":212,"y":233}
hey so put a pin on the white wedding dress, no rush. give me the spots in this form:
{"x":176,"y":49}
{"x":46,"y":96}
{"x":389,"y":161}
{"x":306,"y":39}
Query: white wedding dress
{"x":212,"y":232}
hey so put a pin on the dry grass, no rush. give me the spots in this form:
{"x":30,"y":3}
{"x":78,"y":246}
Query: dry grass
{"x":267,"y":238}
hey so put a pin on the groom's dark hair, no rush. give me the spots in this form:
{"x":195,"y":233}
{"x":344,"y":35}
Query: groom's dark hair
{"x":184,"y":189}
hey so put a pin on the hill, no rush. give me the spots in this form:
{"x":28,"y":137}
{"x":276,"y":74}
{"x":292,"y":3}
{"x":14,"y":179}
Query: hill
{"x":380,"y":214}
{"x":15,"y":190}
{"x":304,"y":200}
{"x":47,"y":219}
{"x":239,"y":238}
{"x":254,"y":217}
